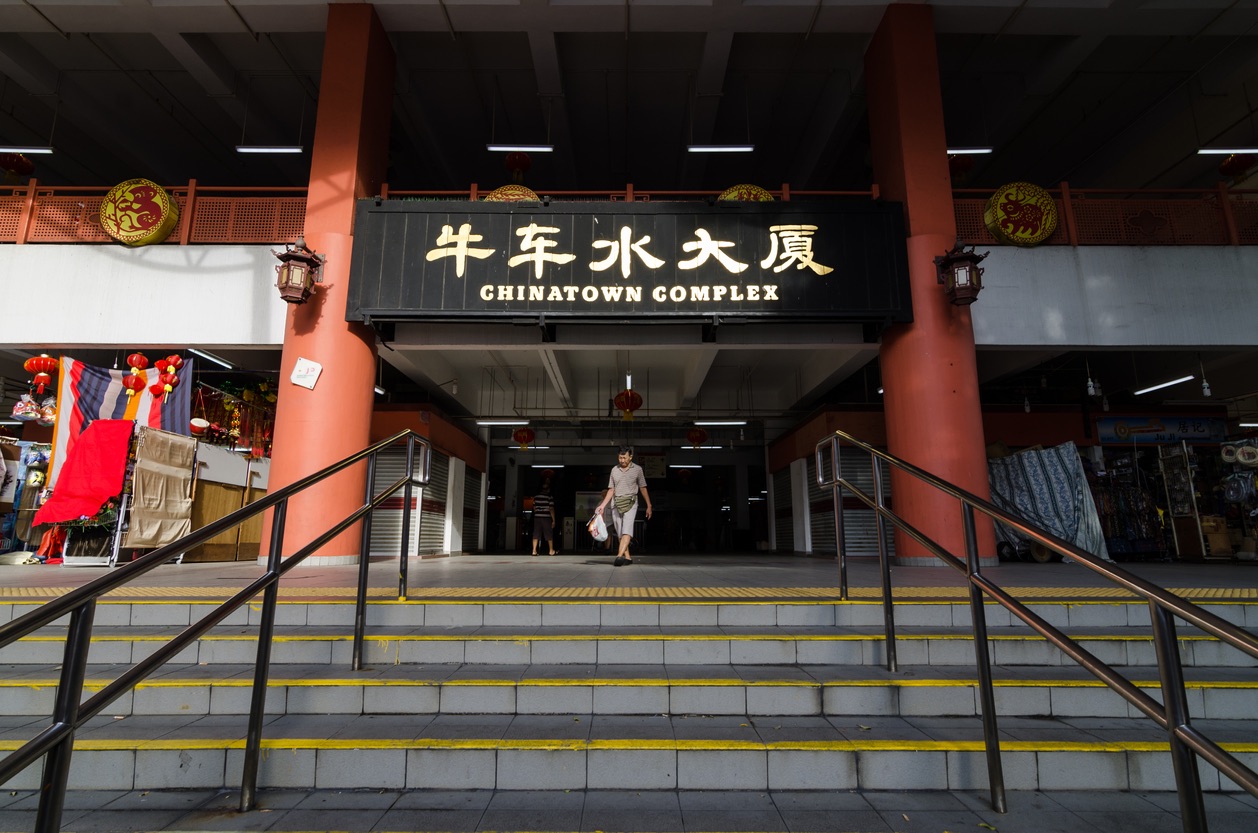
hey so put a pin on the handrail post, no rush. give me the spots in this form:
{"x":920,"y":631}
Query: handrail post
{"x":364,"y":556}
{"x":404,"y":555}
{"x":1192,"y":808}
{"x":884,"y":565}
{"x":52,"y":792}
{"x":987,"y":694}
{"x":261,"y":671}
{"x":837,"y":471}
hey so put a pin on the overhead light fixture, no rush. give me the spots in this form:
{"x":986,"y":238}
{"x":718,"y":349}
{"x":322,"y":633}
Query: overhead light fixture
{"x":722,"y":422}
{"x":879,"y":390}
{"x":25,"y":149}
{"x":547,"y":466}
{"x":1187,"y":378}
{"x":18,"y":422}
{"x":379,"y":390}
{"x":747,"y":148}
{"x":493,"y":148}
{"x":975,"y":151}
{"x":211,"y":357}
{"x":269,"y":148}
{"x":528,"y":448}
{"x":1241,"y":424}
{"x":1224,"y":151}
{"x":702,"y":447}
{"x":502,"y":422}
{"x":685,"y":466}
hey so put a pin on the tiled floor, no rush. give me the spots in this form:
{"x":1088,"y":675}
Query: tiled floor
{"x":676,"y":811}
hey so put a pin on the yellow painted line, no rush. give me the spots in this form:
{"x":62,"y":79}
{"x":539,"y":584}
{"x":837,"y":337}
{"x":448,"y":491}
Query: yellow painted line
{"x":577,"y":595}
{"x":641,"y":744}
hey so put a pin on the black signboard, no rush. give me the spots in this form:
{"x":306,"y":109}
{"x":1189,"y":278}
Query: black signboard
{"x":668,"y":260}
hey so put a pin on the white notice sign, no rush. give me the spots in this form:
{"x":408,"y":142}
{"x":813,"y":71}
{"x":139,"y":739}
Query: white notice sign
{"x":306,"y":373}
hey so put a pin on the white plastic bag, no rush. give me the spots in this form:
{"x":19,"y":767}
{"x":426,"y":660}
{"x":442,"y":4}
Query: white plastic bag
{"x":597,"y":528}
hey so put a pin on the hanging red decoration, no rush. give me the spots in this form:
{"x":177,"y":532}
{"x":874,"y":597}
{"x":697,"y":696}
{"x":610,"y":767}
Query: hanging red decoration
{"x":524,"y":436}
{"x":627,"y":401}
{"x":959,"y":167}
{"x":169,"y":382}
{"x":157,"y":390}
{"x":162,"y":366}
{"x":137,"y":362}
{"x":133,"y":383}
{"x":41,"y":367}
{"x":1237,"y":164}
{"x":174,"y":361}
{"x":15,"y":165}
{"x":518,"y":163}
{"x":697,"y":436}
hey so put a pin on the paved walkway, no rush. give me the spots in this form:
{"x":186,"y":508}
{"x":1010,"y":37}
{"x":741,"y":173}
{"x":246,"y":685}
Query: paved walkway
{"x":652,"y":576}
{"x":598,"y":810}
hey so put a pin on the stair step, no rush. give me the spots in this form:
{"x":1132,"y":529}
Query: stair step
{"x":574,"y":752}
{"x":637,"y":646}
{"x":469,"y":689}
{"x":684,"y":612}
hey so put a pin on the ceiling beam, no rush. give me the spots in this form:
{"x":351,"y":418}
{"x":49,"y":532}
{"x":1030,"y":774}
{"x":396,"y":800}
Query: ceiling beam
{"x":557,"y":369}
{"x":693,"y":375}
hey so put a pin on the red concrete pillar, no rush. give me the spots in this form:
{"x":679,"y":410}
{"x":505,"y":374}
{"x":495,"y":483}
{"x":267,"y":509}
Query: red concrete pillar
{"x":930,"y":381}
{"x":314,"y":428}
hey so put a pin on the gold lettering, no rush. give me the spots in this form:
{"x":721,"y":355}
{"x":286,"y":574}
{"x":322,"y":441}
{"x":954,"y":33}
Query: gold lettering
{"x":699,"y":293}
{"x":677,"y":294}
{"x":535,"y":293}
{"x":658,"y":294}
{"x":589,"y":293}
{"x":718,"y":294}
{"x":736,"y":293}
{"x":486,"y":292}
{"x":555,"y":295}
{"x":771,"y":292}
{"x":506,"y":292}
{"x":633,"y":293}
{"x":753,"y":292}
{"x":612,"y":293}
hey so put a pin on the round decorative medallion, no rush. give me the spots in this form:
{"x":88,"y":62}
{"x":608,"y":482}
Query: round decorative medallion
{"x":512,"y":193}
{"x":746,"y":193}
{"x":1021,"y":213}
{"x":138,"y":212}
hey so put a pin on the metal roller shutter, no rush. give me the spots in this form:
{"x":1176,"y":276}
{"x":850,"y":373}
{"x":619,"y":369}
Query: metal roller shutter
{"x":860,"y":524}
{"x":471,"y":509}
{"x":427,"y":526}
{"x":783,"y":523}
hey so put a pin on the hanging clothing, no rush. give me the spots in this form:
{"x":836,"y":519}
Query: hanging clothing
{"x":161,"y":500}
{"x":93,"y":472}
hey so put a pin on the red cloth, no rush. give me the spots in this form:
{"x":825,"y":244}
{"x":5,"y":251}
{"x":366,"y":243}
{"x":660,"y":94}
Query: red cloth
{"x":93,"y":472}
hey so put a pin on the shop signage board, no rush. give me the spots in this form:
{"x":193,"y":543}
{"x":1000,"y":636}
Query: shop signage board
{"x":459,"y":260}
{"x":1161,"y":429}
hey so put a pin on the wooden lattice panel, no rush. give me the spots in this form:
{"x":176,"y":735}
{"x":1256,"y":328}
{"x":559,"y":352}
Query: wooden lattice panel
{"x":970,"y":228}
{"x":1245,"y":213}
{"x":10,"y":217}
{"x":248,"y":219}
{"x":67,"y":220}
{"x":1149,"y":223}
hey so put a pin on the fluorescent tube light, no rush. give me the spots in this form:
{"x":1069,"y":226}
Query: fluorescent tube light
{"x":502,"y":422}
{"x":1165,"y":384}
{"x":211,"y":357}
{"x":685,"y":466}
{"x":530,"y":448}
{"x":723,"y":422}
{"x":379,"y":390}
{"x":547,"y":466}
{"x":747,"y":148}
{"x":968,"y":151}
{"x":493,"y":148}
{"x":269,"y":148}
{"x":1242,"y":424}
{"x":19,"y":422}
{"x":702,"y":447}
{"x":25,"y":149}
{"x":1224,"y":151}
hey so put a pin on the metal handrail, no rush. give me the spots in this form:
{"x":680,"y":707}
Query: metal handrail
{"x":1186,"y":741}
{"x":70,"y":711}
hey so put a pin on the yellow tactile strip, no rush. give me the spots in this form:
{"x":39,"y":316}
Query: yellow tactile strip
{"x":635,"y":593}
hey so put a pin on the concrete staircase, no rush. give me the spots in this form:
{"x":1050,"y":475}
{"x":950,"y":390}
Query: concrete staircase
{"x":635,"y":695}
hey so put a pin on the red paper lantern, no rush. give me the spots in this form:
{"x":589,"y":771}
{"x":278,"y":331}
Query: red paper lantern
{"x":169,"y":382}
{"x":133,"y":383}
{"x":162,"y":365}
{"x":157,"y":390}
{"x":174,"y":361}
{"x":16,"y":165}
{"x":518,"y":164}
{"x":627,"y":401}
{"x":1236,"y":164}
{"x":41,"y":367}
{"x":137,"y":362}
{"x":697,"y":436}
{"x":524,"y":436}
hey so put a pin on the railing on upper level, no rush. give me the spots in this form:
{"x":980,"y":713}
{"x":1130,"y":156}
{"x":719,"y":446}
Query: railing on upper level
{"x":35,"y":213}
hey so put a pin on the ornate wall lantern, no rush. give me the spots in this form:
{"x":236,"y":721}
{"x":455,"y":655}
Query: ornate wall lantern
{"x":959,"y":272}
{"x":298,"y":271}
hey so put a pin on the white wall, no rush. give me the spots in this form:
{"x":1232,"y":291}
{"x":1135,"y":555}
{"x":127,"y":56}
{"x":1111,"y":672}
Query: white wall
{"x":1120,"y":296}
{"x":164,"y":294}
